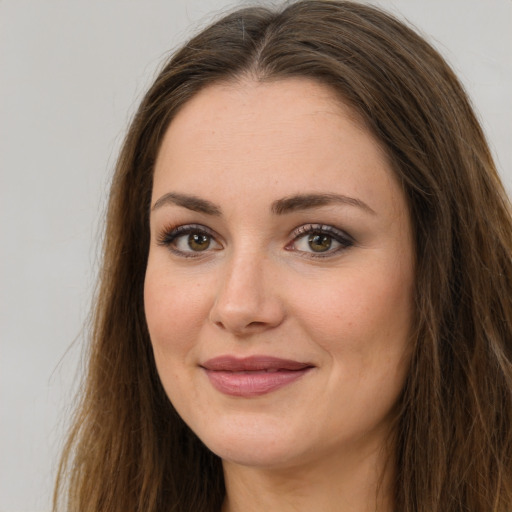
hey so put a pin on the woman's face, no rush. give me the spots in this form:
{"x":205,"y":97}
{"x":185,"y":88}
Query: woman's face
{"x":278,"y":291}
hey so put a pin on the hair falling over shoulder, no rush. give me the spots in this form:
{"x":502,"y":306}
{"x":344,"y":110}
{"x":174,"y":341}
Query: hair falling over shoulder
{"x":128,"y":450}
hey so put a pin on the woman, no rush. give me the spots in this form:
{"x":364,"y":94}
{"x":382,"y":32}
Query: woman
{"x":306,"y":295}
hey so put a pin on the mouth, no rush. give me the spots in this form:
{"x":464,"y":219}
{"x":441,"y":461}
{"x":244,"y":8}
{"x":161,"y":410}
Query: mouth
{"x":253,"y":376}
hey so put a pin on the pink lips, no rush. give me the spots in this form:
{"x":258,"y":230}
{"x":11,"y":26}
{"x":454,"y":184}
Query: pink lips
{"x":252,"y":376}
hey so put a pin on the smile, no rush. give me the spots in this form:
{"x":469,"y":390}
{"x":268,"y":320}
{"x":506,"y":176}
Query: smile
{"x":252,"y":376}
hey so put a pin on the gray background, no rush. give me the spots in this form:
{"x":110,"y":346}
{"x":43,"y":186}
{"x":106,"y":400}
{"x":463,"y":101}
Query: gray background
{"x":71,"y":74}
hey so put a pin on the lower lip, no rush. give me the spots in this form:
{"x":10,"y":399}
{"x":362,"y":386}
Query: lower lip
{"x":256,"y":383}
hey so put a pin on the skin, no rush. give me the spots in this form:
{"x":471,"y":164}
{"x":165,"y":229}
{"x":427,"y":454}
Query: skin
{"x":259,"y":288}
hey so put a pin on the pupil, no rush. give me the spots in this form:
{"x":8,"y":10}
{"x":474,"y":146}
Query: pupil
{"x":198,"y":242}
{"x":320,"y":243}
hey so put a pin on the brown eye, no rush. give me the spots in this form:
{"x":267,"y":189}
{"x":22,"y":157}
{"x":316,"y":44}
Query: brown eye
{"x":190,"y":240}
{"x":319,"y":242}
{"x":198,"y":241}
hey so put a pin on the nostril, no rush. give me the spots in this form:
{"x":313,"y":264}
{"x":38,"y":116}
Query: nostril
{"x":256,"y":324}
{"x":251,"y":326}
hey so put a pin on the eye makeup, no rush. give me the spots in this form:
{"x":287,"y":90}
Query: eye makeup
{"x":308,"y":240}
{"x":189,"y":240}
{"x":319,"y":240}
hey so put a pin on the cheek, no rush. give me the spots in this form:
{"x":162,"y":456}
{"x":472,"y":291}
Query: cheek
{"x":366,"y":315}
{"x":175,"y":313}
{"x":174,"y":308}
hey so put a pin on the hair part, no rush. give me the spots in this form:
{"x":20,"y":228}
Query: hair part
{"x":129,"y":450}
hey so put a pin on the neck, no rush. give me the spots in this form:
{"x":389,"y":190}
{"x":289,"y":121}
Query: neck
{"x":354,"y":483}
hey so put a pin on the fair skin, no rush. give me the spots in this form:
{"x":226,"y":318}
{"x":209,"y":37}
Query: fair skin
{"x":293,"y":242}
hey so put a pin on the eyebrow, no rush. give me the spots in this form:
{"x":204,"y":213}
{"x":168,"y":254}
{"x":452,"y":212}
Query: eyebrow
{"x":280,"y":207}
{"x":308,"y":201}
{"x":190,"y":202}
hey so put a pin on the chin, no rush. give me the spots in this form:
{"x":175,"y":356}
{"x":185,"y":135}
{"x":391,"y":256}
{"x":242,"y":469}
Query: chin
{"x":257,"y":444}
{"x":255,"y":455}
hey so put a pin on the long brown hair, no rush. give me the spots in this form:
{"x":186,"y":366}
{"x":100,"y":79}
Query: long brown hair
{"x":128,"y":450}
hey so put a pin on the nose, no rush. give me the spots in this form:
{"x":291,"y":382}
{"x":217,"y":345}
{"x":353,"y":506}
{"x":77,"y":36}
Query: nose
{"x":247,"y":299}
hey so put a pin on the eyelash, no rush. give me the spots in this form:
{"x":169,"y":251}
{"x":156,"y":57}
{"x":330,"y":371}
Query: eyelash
{"x":339,"y":236}
{"x":170,"y":235}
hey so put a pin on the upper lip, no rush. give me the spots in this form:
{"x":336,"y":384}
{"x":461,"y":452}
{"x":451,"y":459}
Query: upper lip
{"x":252,"y":363}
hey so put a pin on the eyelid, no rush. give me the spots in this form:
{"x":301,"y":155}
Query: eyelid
{"x":341,"y":237}
{"x":169,"y":234}
{"x":321,"y":228}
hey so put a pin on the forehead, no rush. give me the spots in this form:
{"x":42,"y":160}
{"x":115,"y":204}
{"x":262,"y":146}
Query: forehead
{"x":249,"y":107}
{"x":278,"y":138}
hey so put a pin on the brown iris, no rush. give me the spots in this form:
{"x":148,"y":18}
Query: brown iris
{"x":319,"y":242}
{"x":198,"y":242}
